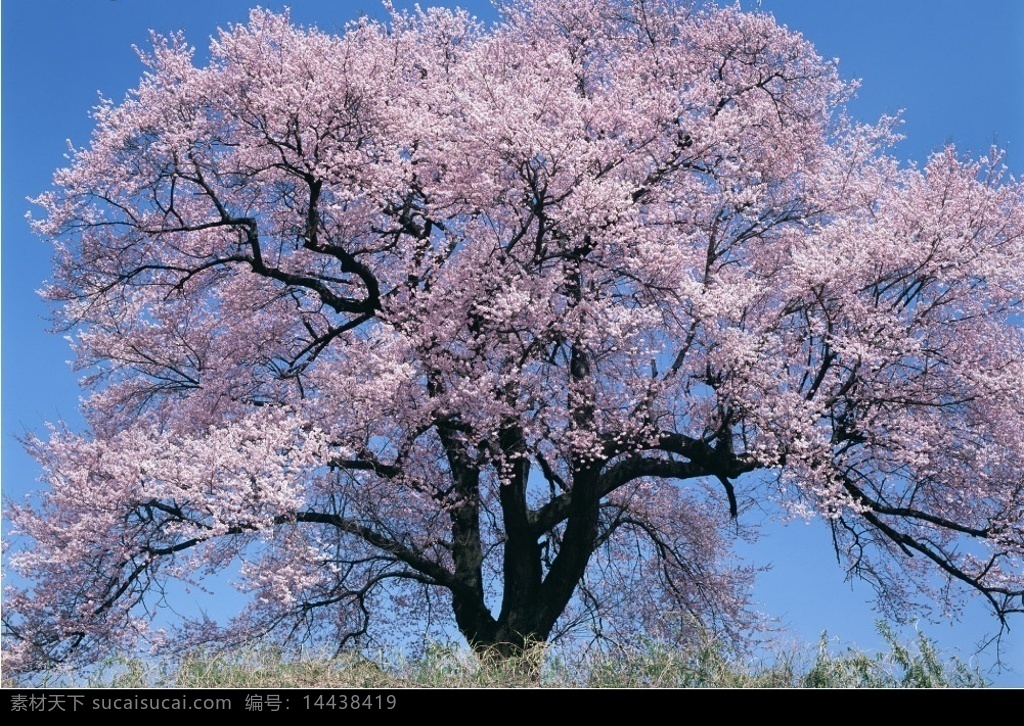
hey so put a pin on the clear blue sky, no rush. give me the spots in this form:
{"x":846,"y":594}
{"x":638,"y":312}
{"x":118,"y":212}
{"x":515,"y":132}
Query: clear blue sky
{"x":956,"y":68}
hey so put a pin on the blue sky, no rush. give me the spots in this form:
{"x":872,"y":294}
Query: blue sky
{"x":955,"y":67}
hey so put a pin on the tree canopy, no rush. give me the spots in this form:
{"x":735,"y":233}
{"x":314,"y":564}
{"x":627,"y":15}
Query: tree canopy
{"x":506,"y":327}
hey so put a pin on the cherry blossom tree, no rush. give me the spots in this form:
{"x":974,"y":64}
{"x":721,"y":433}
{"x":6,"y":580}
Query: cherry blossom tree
{"x":506,"y":328}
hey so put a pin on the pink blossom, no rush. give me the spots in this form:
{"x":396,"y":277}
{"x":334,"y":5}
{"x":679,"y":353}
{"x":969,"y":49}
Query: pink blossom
{"x":518,"y":318}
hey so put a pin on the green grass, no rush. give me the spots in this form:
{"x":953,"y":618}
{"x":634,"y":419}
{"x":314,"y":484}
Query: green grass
{"x":916,"y":664}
